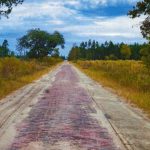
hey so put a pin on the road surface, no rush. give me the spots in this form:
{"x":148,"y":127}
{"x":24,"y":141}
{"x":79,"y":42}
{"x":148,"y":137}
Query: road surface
{"x":66,"y":110}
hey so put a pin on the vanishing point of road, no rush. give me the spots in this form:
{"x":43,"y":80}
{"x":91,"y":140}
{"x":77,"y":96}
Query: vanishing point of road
{"x":66,"y":110}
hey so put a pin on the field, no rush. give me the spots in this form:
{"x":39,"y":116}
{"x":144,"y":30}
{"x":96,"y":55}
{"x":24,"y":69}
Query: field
{"x":129,"y":79}
{"x":15,"y":73}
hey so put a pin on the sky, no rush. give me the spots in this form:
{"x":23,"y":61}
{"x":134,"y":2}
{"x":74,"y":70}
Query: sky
{"x":77,"y":20}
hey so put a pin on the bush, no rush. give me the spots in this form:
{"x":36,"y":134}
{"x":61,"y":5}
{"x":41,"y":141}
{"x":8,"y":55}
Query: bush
{"x":13,"y":68}
{"x":15,"y":73}
{"x":145,"y":52}
{"x":130,"y":79}
{"x":10,"y":67}
{"x":49,"y":61}
{"x":127,"y":73}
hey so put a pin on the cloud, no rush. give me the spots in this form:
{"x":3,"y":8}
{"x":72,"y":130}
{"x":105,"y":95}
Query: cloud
{"x":121,"y":26}
{"x":73,"y":19}
{"x":53,"y":12}
{"x":85,"y":4}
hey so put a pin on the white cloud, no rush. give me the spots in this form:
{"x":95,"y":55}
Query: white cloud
{"x":53,"y":11}
{"x":113,"y":27}
{"x":56,"y":22}
{"x":56,"y":12}
{"x":94,"y":3}
{"x":56,"y":15}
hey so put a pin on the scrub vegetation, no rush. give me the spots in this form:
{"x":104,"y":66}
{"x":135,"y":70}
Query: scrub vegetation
{"x":130,"y":79}
{"x":38,"y":52}
{"x":123,"y":67}
{"x":15,"y":73}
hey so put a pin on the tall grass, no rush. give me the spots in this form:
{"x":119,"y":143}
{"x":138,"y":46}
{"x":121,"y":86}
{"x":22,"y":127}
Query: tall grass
{"x":14,"y":73}
{"x":130,"y":79}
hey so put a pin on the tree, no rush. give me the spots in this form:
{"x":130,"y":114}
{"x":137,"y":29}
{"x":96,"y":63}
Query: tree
{"x":106,"y":51}
{"x":7,"y":5}
{"x":146,"y":55}
{"x":55,"y":52}
{"x":5,"y":44}
{"x":125,"y":51}
{"x":82,"y":50}
{"x":142,"y":8}
{"x":4,"y":50}
{"x":74,"y":53}
{"x":89,"y":43}
{"x":39,"y":43}
{"x":111,"y":57}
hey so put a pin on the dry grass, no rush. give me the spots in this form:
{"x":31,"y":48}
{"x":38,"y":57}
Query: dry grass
{"x":129,"y":79}
{"x":15,"y":73}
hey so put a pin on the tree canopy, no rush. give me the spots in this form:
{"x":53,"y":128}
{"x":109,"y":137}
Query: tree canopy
{"x":125,"y":51}
{"x":93,"y":50}
{"x":6,"y":6}
{"x":4,"y":50}
{"x":37,"y":43}
{"x":142,"y":8}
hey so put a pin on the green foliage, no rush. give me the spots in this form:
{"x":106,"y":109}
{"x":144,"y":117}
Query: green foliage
{"x":55,"y":52}
{"x":92,"y":50}
{"x":7,"y":5}
{"x":38,"y":44}
{"x":74,"y":53}
{"x":111,"y":57}
{"x":63,"y":57}
{"x":145,"y":52}
{"x":4,"y":50}
{"x":142,"y":8}
{"x":125,"y":51}
{"x":49,"y":61}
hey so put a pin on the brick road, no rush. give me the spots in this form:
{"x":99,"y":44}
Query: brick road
{"x":63,"y":118}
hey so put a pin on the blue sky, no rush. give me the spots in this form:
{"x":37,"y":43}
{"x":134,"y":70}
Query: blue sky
{"x":77,"y":20}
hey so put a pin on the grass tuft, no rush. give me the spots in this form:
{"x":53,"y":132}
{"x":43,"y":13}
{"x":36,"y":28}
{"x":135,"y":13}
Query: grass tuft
{"x":15,"y":73}
{"x":130,"y":79}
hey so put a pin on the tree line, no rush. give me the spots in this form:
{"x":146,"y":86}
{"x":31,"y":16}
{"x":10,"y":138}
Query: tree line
{"x":93,"y":50}
{"x":35,"y":43}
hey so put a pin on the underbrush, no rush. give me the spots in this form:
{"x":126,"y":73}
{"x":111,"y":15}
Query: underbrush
{"x":15,"y":73}
{"x":130,"y":79}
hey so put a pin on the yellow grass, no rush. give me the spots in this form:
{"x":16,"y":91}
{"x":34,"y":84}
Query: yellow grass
{"x":15,"y":73}
{"x":129,"y":79}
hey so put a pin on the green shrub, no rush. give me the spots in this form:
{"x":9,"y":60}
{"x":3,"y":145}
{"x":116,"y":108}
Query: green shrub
{"x":145,"y":52}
